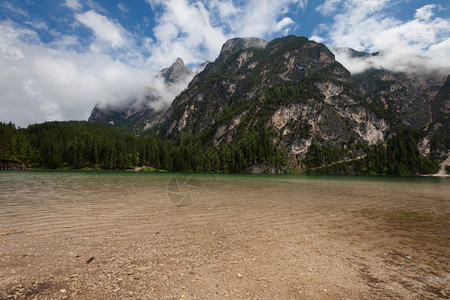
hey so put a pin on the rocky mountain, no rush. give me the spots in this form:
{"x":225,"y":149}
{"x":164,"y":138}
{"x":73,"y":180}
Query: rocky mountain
{"x":288,"y":106}
{"x":439,"y":129}
{"x":308,"y":102}
{"x":134,"y":115}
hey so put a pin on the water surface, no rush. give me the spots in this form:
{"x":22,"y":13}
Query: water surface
{"x":206,"y":236}
{"x":43,"y":199}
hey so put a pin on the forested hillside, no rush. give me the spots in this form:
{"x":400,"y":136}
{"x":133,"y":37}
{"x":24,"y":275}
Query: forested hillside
{"x":77,"y":145}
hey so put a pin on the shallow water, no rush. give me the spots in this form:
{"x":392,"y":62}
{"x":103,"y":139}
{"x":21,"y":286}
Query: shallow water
{"x":350,"y":236}
{"x":40,"y":200}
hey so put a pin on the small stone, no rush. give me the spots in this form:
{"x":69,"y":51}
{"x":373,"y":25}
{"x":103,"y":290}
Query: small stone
{"x":90,"y":260}
{"x":408,"y":257}
{"x":62,"y":291}
{"x":325,"y":291}
{"x":239,"y":275}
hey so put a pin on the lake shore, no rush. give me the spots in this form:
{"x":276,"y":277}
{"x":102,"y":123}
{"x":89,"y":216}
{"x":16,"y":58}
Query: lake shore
{"x":238,"y":239}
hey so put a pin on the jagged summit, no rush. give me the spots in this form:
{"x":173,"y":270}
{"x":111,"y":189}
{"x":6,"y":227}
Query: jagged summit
{"x":243,"y":43}
{"x":178,"y":71}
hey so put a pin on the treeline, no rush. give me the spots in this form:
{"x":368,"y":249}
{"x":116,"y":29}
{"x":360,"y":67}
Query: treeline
{"x":77,"y":145}
{"x":15,"y":145}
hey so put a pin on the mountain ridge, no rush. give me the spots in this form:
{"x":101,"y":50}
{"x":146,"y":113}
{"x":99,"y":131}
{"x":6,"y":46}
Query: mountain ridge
{"x":292,"y":92}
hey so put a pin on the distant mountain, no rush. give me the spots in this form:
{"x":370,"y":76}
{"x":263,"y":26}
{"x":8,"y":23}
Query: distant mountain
{"x":136,"y":114}
{"x":353,"y":53}
{"x":288,"y":106}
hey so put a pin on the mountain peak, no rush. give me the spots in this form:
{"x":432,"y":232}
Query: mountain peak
{"x":242,"y":43}
{"x":176,"y":72}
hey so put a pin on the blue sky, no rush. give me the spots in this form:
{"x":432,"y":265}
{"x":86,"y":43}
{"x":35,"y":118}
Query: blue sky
{"x":60,"y":58}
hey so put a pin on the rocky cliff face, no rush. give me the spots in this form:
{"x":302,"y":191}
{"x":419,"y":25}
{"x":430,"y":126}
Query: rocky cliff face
{"x":177,"y":73}
{"x":291,"y":86}
{"x":136,"y":115}
{"x":295,"y":89}
{"x":439,"y":130}
{"x":402,"y":97}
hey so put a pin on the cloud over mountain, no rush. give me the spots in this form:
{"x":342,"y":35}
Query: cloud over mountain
{"x":59,"y":61}
{"x":369,"y":26}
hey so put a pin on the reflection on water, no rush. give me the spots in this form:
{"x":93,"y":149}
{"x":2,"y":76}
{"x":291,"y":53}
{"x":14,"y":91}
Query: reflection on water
{"x":39,"y":200}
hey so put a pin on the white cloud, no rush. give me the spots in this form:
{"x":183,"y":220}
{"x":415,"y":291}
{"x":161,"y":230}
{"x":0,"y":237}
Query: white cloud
{"x":39,"y":82}
{"x":74,"y":4}
{"x":425,"y":13}
{"x":95,"y":6}
{"x":440,"y":54}
{"x":123,"y":8}
{"x":184,"y":30}
{"x":367,"y":26}
{"x":14,"y":9}
{"x":328,"y":7}
{"x":399,"y":60}
{"x":197,"y":30}
{"x":285,"y":22}
{"x":103,"y":28}
{"x":259,"y":18}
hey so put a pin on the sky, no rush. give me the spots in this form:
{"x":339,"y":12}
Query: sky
{"x":59,"y":58}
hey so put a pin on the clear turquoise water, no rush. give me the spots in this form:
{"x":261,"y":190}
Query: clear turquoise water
{"x":42,"y":199}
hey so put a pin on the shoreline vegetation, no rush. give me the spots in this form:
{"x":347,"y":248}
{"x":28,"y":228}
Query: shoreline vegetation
{"x":79,"y":145}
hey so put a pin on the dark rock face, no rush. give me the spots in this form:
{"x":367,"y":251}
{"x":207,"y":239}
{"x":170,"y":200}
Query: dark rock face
{"x":440,"y":128}
{"x":108,"y":113}
{"x":176,"y":73}
{"x":400,"y":96}
{"x":441,"y":103}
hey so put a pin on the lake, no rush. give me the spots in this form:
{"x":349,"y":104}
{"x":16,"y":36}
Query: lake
{"x":82,"y":235}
